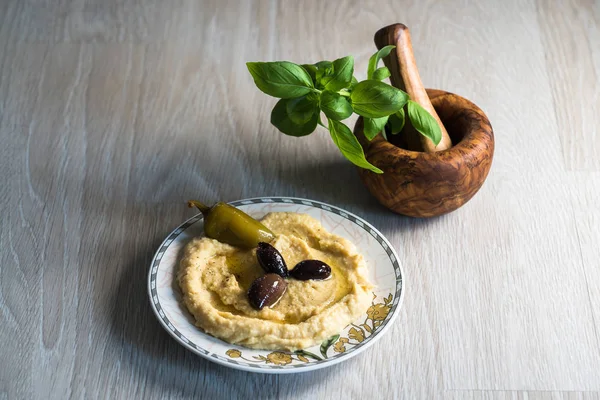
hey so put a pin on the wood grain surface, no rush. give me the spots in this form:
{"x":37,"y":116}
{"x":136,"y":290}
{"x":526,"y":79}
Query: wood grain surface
{"x":114,"y":112}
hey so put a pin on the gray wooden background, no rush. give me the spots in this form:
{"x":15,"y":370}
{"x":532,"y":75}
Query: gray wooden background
{"x":113,"y":113}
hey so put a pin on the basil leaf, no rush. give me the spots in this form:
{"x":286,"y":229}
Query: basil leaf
{"x":384,"y":134}
{"x":345,"y":140}
{"x":373,"y":126}
{"x":282,"y":121}
{"x":312,"y":71}
{"x":396,"y":121}
{"x":280,"y":79}
{"x":353,"y":83}
{"x":374,"y":99}
{"x":343,"y":68}
{"x":334,"y":105}
{"x":374,"y":60}
{"x":320,"y":122}
{"x":323,"y":64}
{"x":301,"y":109}
{"x":381,"y":73}
{"x":324,"y":71}
{"x":424,"y":122}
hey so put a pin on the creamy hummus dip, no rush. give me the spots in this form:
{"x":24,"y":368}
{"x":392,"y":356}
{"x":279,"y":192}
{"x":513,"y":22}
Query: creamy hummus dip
{"x":214,"y":278}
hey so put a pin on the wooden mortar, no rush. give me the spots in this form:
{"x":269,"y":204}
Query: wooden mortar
{"x":427,"y":183}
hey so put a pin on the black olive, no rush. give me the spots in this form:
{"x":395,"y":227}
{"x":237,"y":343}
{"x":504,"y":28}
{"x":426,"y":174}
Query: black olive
{"x":311,"y":269}
{"x":266,"y":291}
{"x":271,"y":260}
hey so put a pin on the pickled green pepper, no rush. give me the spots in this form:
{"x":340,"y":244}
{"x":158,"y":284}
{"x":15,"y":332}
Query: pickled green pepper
{"x":230,"y":225}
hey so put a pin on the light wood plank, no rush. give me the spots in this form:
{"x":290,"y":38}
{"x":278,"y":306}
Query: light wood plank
{"x":133,"y":21}
{"x":585,"y":190}
{"x":20,"y":274}
{"x":110,"y":106}
{"x":519,"y":395}
{"x":194,"y":112}
{"x":48,"y":21}
{"x":570,"y":35}
{"x":55,"y":160}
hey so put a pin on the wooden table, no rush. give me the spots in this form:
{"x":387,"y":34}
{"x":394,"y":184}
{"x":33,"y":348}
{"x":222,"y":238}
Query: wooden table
{"x":112,"y":113}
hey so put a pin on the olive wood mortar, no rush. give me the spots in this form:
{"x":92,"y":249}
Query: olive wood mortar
{"x":428,"y":184}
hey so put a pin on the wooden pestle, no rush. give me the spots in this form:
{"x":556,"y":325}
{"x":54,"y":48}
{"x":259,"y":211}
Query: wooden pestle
{"x":405,"y":76}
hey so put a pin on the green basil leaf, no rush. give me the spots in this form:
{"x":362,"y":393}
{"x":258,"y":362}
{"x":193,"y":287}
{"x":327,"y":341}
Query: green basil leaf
{"x":334,"y":105}
{"x":353,"y":83}
{"x":320,"y":122}
{"x":381,"y":74}
{"x":323,"y":64}
{"x":424,"y":122}
{"x":374,"y":99}
{"x":301,"y":109}
{"x":374,"y":60}
{"x":281,"y":78}
{"x":396,"y":121}
{"x":373,"y":126}
{"x":312,"y":71}
{"x":345,"y":140}
{"x":282,"y":121}
{"x":343,"y":68}
{"x":384,"y":134}
{"x":324,"y":71}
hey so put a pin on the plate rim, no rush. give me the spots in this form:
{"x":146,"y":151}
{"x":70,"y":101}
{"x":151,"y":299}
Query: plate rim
{"x":274,"y":370}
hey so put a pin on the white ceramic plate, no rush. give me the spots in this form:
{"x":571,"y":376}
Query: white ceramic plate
{"x":384,"y":271}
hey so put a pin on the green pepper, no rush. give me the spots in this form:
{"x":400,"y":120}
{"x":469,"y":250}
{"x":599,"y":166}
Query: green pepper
{"x":230,"y":225}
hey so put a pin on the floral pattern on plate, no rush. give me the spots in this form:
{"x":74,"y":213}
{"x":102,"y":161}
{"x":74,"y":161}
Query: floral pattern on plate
{"x":356,"y":334}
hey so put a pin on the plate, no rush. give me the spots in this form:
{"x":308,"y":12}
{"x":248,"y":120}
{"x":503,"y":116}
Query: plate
{"x":385,"y":272}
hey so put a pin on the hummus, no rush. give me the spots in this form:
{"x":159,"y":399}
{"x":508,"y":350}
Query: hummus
{"x":214,"y":278}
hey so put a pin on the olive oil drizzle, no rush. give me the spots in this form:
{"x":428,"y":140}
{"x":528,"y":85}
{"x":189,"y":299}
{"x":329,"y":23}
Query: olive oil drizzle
{"x":245,"y":272}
